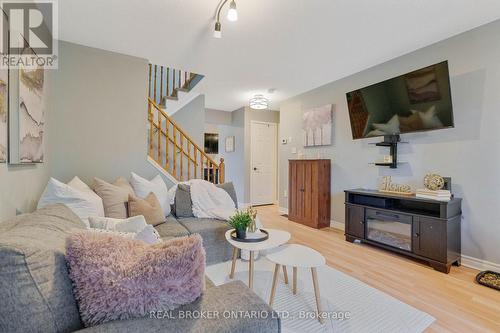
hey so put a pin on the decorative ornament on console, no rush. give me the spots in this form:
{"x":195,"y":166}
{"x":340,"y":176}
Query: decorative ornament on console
{"x":387,"y":186}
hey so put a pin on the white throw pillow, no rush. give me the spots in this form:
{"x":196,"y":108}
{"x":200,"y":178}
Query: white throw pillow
{"x":391,"y":127}
{"x":130,"y":235}
{"x":136,"y":226}
{"x":132,"y":224}
{"x":429,"y":118}
{"x":149,"y":235}
{"x":142,"y":187}
{"x":79,"y":185}
{"x":77,"y":201}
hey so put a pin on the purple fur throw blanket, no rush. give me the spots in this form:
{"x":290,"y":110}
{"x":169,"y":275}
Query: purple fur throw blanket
{"x":118,"y":278}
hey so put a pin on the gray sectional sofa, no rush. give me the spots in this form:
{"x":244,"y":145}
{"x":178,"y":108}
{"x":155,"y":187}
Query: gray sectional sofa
{"x":181,"y":222}
{"x":36,"y":292}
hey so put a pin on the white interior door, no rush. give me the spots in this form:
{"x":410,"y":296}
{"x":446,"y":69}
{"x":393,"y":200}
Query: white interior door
{"x":263,"y":163}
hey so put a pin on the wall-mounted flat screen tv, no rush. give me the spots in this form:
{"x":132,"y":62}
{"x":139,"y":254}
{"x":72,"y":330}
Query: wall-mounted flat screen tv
{"x":416,"y":101}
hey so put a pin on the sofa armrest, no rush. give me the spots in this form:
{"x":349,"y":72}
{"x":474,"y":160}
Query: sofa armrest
{"x":231,"y":307}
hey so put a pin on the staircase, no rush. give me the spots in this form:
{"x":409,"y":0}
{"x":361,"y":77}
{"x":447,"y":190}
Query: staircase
{"x":166,"y":84}
{"x":169,"y":146}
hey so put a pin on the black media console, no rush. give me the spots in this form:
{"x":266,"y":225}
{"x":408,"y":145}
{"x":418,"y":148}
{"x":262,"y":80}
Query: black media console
{"x":421,"y":228}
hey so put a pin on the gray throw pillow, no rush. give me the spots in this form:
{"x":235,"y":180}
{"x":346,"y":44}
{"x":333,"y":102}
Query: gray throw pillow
{"x":183,"y":203}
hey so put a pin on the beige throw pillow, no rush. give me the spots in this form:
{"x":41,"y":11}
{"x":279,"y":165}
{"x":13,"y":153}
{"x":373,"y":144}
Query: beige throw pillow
{"x":114,"y":196}
{"x":149,"y":207}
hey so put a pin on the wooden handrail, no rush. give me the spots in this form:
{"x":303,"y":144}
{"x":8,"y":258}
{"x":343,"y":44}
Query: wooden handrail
{"x":163,"y":140}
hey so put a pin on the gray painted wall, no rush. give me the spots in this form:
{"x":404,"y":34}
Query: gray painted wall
{"x":469,"y":153}
{"x":192,"y":119}
{"x":99,"y":122}
{"x":237,"y":124}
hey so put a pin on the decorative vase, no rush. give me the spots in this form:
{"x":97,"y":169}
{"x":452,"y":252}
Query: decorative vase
{"x":241,"y":233}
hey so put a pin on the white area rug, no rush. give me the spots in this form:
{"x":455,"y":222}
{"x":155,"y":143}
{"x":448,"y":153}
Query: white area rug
{"x":370,"y":310}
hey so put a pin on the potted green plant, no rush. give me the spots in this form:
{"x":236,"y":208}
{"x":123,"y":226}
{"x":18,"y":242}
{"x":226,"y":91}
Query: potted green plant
{"x":240,"y":222}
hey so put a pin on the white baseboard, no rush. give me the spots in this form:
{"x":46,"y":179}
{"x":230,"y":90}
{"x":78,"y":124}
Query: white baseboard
{"x":333,"y":224}
{"x":480,"y":264}
{"x":337,"y":225}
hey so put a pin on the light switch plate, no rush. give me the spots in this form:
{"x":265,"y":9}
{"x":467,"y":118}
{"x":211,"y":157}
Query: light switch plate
{"x":294,"y":150}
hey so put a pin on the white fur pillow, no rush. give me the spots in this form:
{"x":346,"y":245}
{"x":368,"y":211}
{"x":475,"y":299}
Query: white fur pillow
{"x":142,"y":188}
{"x":135,"y":225}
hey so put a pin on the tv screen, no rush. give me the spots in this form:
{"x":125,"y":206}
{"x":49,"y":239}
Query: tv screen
{"x":211,"y":143}
{"x":416,"y":101}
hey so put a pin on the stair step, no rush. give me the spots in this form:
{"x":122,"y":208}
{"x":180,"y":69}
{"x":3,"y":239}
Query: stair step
{"x":173,"y":98}
{"x":182,"y":89}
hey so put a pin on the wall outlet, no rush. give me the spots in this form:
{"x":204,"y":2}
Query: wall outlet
{"x":285,"y":193}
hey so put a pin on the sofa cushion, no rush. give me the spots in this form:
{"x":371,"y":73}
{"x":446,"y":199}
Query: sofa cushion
{"x":229,"y":188}
{"x":171,"y":228}
{"x":213,"y":233}
{"x":35,"y":289}
{"x":234,"y":297}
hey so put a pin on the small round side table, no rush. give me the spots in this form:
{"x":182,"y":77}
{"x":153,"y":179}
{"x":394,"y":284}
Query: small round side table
{"x":296,"y":255}
{"x":276,"y":238}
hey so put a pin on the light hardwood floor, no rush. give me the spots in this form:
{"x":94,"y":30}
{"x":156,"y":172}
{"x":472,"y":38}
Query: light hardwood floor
{"x":455,"y":300}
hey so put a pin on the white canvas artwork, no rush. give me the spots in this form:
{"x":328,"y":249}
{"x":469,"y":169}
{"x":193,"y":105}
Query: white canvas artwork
{"x":3,"y":114}
{"x":317,"y":126}
{"x":31,"y":115}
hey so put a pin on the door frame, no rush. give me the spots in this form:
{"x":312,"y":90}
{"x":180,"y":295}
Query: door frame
{"x":275,"y":167}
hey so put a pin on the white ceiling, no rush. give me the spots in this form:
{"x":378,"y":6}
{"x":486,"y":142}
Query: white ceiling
{"x":290,"y":45}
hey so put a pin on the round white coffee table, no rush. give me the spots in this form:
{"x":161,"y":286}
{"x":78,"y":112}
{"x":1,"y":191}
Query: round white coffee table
{"x":296,"y":255}
{"x":276,"y":238}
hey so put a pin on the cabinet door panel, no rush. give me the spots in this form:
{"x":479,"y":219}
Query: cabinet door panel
{"x":355,"y":221}
{"x":430,"y":238}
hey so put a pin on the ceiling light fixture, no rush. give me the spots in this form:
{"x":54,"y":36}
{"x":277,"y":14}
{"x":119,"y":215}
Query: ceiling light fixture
{"x":232,"y":15}
{"x":259,"y":102}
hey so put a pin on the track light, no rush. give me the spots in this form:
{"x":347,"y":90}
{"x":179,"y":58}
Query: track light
{"x":232,"y":15}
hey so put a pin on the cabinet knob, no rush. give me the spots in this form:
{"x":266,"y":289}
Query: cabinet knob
{"x":417,"y":234}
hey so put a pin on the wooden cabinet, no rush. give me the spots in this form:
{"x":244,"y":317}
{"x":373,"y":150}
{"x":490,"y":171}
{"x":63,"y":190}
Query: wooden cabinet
{"x":309,"y":192}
